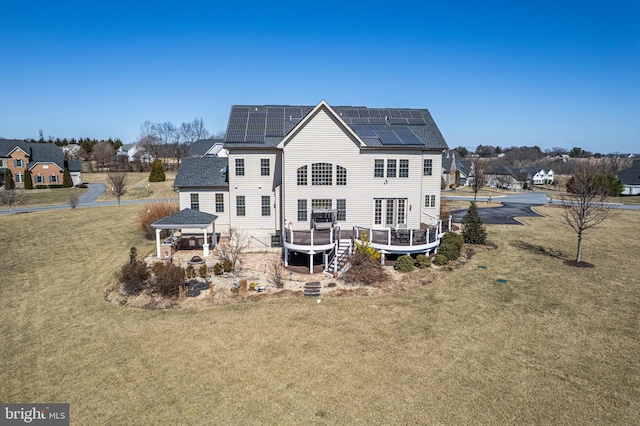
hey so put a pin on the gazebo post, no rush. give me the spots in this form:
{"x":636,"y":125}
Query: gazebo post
{"x":205,"y":246}
{"x":158,"y":230}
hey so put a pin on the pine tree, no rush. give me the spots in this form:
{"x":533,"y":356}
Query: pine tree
{"x":8,"y":181}
{"x":66,"y":179}
{"x":157,"y":172}
{"x":473,"y":230}
{"x":28,"y":184}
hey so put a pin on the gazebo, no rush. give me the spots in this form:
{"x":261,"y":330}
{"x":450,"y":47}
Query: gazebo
{"x":186,"y":219}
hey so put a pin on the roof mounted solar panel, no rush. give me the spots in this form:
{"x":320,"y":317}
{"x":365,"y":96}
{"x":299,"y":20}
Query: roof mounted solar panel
{"x":388,"y":137}
{"x":395,"y":113}
{"x":365,"y":131}
{"x":407,"y":136}
{"x":416,"y":113}
{"x":416,"y":121}
{"x":377,"y":120}
{"x":275,"y":122}
{"x":256,"y":126}
{"x":395,"y":120}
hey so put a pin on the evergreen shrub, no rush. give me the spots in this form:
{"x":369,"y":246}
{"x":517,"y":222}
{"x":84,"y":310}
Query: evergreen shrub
{"x":473,"y":231}
{"x":451,"y":245}
{"x":423,"y":261}
{"x":404,"y":263}
{"x":440,"y":259}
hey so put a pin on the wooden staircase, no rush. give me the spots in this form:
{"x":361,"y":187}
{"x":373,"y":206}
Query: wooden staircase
{"x":342,"y":254}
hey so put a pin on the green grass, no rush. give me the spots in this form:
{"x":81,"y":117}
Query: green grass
{"x":553,"y":345}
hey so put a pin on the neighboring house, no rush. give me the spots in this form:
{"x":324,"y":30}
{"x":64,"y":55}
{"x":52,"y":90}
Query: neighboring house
{"x":134,"y":151}
{"x":451,"y":165}
{"x":506,"y":177}
{"x":311,"y":177}
{"x":631,"y":179}
{"x":211,"y":147}
{"x":44,"y":161}
{"x":539,"y":175}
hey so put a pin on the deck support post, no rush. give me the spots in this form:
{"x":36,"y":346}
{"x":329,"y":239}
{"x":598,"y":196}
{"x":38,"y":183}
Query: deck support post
{"x":286,"y":257}
{"x":158,"y":242}
{"x":382,"y":259}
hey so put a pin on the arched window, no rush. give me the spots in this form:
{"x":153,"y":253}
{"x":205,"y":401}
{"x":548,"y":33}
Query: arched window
{"x":321,"y":174}
{"x":302,"y":175}
{"x":341,"y":175}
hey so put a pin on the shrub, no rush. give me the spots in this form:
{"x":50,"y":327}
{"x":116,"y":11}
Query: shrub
{"x":203,"y":271}
{"x":191,"y":271}
{"x":227,"y":266}
{"x":473,"y":231}
{"x":157,"y":172}
{"x":152,"y":213}
{"x":365,"y":248}
{"x":451,"y":245}
{"x":365,"y":270}
{"x":133,"y":275}
{"x":28,"y":184}
{"x":243,"y":288}
{"x":423,"y":261}
{"x":218,"y":269}
{"x":404,"y":264}
{"x":167,"y":280}
{"x":440,"y":259}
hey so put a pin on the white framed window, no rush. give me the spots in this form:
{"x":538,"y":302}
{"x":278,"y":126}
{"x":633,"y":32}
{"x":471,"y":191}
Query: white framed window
{"x":321,"y":203}
{"x":378,"y":168}
{"x":321,"y":174}
{"x":53,"y":179}
{"x":241,"y":209}
{"x":266,"y":205}
{"x":427,"y":166}
{"x":219,"y":203}
{"x":302,"y":210}
{"x":341,"y":175}
{"x":239,"y":166}
{"x":341,"y":206}
{"x":39,"y":179}
{"x":378,"y":211}
{"x":403,"y":171}
{"x":302,"y":175}
{"x":429,"y":200}
{"x":19,"y":178}
{"x":390,"y":212}
{"x":265,"y":169}
{"x":195,"y":201}
{"x":391,"y":168}
{"x":402,"y":204}
{"x":18,"y":163}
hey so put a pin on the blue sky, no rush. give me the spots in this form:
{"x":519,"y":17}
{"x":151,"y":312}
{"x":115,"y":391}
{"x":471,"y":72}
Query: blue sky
{"x":557,"y":73}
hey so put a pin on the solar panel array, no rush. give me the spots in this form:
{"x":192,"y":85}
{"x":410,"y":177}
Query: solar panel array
{"x":252,"y":124}
{"x":388,"y":135}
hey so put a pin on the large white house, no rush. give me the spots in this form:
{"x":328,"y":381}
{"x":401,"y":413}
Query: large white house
{"x":309,"y":178}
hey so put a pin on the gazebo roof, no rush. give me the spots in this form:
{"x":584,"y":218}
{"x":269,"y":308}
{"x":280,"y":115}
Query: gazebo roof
{"x":188,"y":218}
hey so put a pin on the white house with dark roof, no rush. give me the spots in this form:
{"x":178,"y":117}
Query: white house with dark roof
{"x":630,"y":177}
{"x":311,"y":178}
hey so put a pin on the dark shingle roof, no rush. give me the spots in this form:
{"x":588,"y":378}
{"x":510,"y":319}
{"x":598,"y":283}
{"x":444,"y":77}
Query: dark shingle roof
{"x":202,"y":146}
{"x":631,"y":176}
{"x":73,"y":165}
{"x":8,"y":145}
{"x":38,"y":152}
{"x":202,"y":172}
{"x":264,"y":126}
{"x":46,"y":153}
{"x":186,"y":217}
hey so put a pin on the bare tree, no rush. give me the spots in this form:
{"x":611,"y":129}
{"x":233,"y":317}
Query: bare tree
{"x":234,"y":248}
{"x":586,"y":203}
{"x":103,"y":152}
{"x":118,"y":182}
{"x":193,"y":131}
{"x":12,"y":197}
{"x":478,"y":167}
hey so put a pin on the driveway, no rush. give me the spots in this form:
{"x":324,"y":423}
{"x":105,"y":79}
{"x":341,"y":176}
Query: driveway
{"x":517,"y":205}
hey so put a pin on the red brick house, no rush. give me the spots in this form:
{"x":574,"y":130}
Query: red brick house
{"x":44,"y":161}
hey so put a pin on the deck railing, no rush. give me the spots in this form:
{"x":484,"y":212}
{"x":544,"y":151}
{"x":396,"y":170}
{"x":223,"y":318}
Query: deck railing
{"x":311,"y":237}
{"x":403,"y":237}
